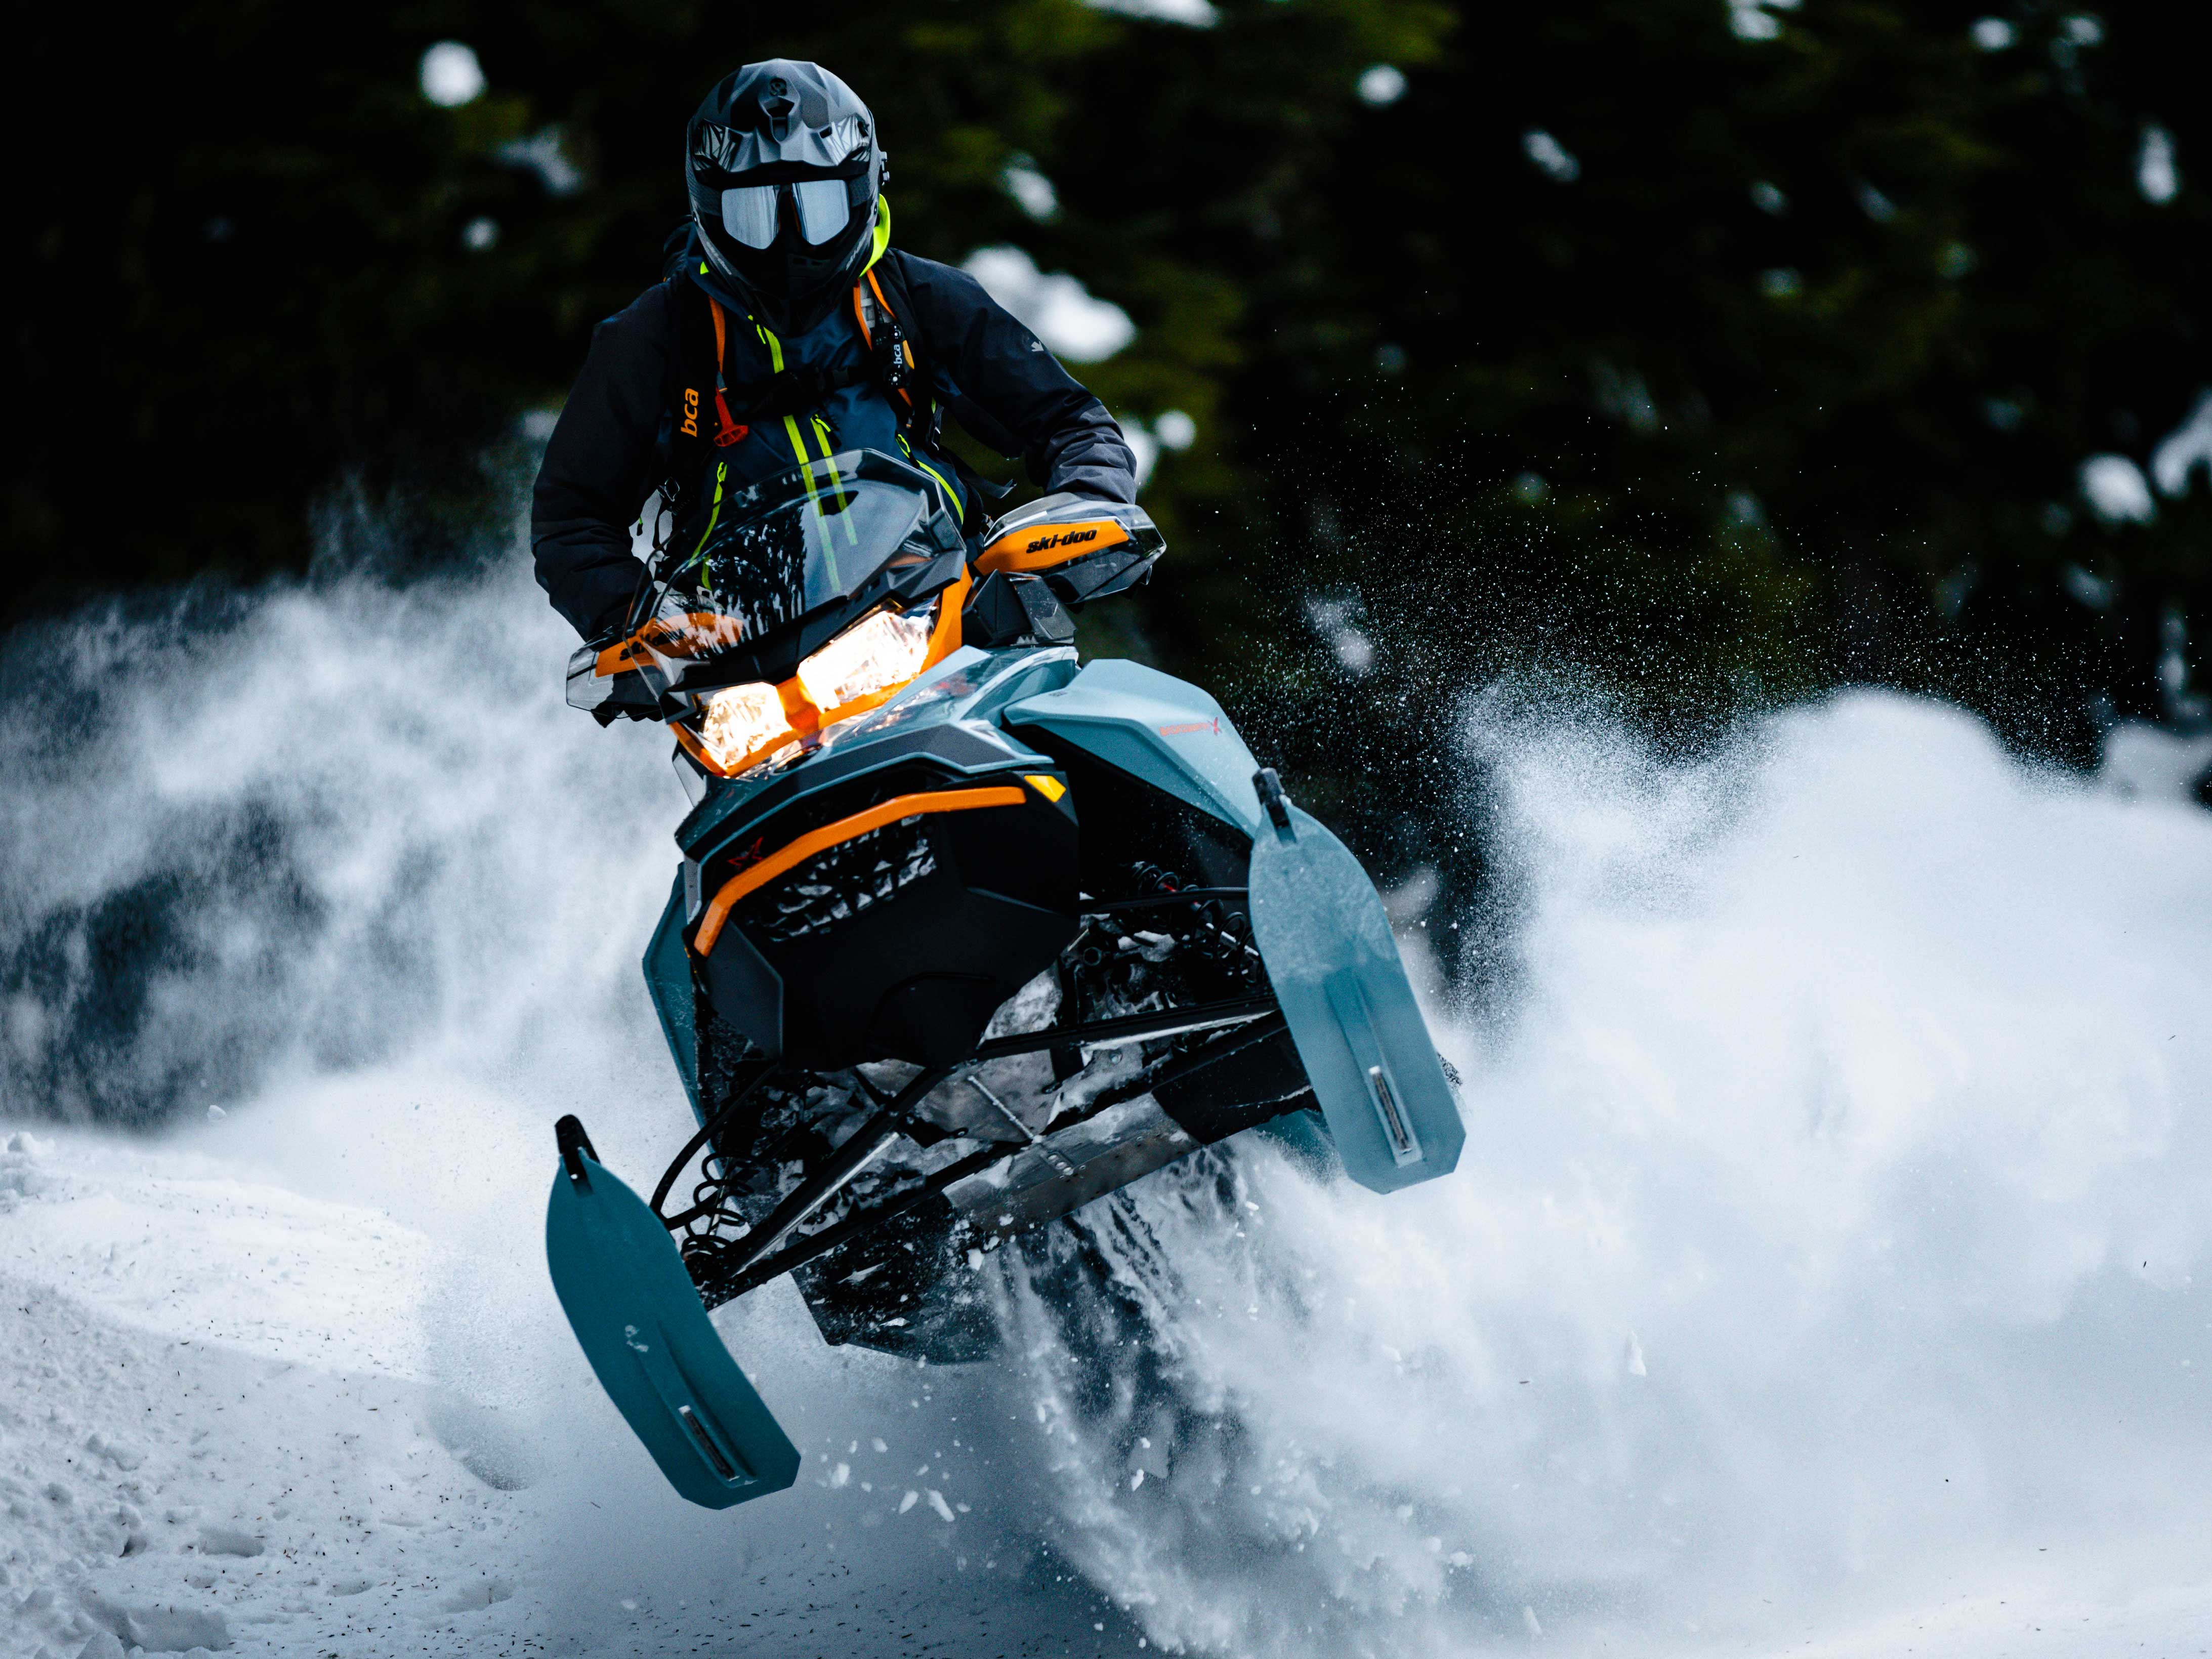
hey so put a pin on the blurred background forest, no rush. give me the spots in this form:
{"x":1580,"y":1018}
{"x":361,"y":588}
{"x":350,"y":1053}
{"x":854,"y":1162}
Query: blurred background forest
{"x":1695,"y":354}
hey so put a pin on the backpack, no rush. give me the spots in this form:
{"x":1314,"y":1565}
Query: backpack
{"x":896,"y":359}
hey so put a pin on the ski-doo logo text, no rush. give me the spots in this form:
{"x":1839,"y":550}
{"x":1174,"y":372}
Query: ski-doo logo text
{"x":1184,"y":730}
{"x":690,"y":412}
{"x":1067,"y":539}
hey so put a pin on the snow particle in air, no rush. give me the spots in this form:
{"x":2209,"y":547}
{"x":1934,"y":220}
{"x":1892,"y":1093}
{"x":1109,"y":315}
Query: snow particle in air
{"x":450,"y":74}
{"x":2156,"y":174}
{"x":1381,"y":84}
{"x":1550,"y":156}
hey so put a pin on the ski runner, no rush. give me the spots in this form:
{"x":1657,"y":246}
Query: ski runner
{"x":787,"y":329}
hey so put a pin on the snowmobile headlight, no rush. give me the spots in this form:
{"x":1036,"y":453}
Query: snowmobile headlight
{"x":879,"y":653}
{"x":741,"y":723}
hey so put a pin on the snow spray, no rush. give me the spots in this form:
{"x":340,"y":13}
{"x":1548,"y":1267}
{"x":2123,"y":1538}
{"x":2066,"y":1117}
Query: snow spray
{"x":1827,"y":1241}
{"x":1828,"y":1234}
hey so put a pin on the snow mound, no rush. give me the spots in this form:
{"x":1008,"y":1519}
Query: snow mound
{"x":172,"y":1479}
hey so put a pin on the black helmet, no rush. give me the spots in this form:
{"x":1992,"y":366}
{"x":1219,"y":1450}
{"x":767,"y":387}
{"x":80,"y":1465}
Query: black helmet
{"x":786,"y":178}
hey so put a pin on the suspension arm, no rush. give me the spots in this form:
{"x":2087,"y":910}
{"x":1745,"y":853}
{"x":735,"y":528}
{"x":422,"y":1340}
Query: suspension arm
{"x":858,"y":1151}
{"x":737,"y":1283}
{"x":1130,"y":1028}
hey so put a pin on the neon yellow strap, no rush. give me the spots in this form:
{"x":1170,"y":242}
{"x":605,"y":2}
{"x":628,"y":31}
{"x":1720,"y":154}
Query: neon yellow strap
{"x":951,"y":493}
{"x":721,"y":472}
{"x":774,"y":346}
{"x":908,"y":450}
{"x":836,"y":479}
{"x":799,"y":452}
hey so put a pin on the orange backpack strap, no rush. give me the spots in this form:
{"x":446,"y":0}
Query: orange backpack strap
{"x":893,"y":352}
{"x":730,"y":431}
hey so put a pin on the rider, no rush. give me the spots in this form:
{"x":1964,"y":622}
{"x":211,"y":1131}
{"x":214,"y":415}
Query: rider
{"x":787,"y":329}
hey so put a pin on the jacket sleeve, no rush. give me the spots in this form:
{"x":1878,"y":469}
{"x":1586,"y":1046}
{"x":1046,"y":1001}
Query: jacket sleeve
{"x":1066,"y":436}
{"x":598,"y":465}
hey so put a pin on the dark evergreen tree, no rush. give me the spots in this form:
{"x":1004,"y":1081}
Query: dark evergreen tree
{"x":1708,"y":351}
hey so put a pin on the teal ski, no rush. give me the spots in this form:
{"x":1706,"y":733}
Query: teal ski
{"x":646,"y":1331}
{"x":1322,"y":933}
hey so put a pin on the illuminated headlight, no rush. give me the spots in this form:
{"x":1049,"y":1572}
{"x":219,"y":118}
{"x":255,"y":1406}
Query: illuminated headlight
{"x":742,"y":725}
{"x":742,"y":721}
{"x":872,"y":656}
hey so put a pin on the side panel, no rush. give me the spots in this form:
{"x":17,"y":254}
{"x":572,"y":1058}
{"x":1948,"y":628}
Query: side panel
{"x":746,"y":991}
{"x":668,"y":982}
{"x":1155,"y":727}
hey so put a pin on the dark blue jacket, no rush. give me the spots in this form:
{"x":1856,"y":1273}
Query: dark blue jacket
{"x":611,"y":449}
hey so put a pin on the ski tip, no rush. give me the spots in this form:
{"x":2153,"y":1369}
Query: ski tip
{"x":1273,"y":800}
{"x":575,"y":1146}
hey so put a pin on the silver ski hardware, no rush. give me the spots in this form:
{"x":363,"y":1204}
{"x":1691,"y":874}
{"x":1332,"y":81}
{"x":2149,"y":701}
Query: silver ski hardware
{"x":1403,"y":1147}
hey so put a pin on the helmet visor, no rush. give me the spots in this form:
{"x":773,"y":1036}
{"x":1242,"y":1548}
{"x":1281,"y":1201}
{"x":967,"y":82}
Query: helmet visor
{"x":823,"y":206}
{"x":824,"y":210}
{"x":749,"y":214}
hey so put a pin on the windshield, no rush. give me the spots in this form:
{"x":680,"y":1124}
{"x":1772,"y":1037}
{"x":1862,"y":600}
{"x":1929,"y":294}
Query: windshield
{"x":860,"y":526}
{"x":794,"y":543}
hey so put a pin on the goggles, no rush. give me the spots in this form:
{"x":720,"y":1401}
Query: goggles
{"x":821,"y":207}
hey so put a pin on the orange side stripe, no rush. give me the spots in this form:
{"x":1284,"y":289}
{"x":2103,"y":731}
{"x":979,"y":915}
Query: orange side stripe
{"x":831,"y":835}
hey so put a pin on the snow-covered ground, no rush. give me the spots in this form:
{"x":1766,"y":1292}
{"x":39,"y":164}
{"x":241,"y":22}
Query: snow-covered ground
{"x":224,"y":1426}
{"x":1820,"y":1277}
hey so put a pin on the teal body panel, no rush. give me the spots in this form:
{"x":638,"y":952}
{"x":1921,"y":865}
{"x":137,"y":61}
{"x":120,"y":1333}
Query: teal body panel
{"x":1335,"y":967}
{"x":1170,"y":734}
{"x":668,"y":981}
{"x":970,"y":686}
{"x":640,"y":1322}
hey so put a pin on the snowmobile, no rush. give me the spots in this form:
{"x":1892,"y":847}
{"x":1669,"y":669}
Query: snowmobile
{"x":967,"y":932}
